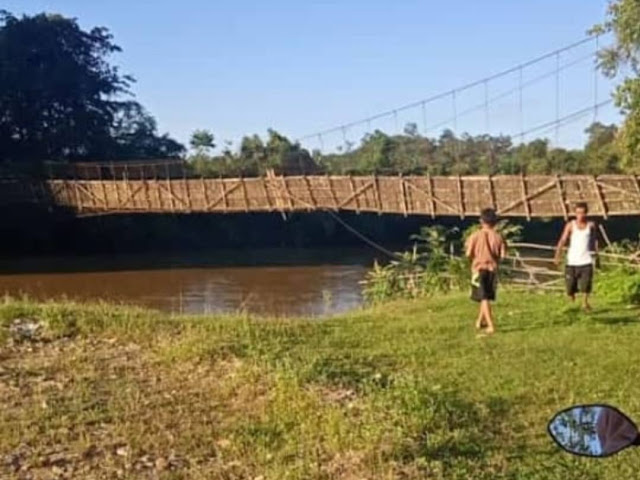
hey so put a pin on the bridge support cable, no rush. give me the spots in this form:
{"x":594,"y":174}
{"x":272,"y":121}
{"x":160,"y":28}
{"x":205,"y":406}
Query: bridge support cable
{"x":424,"y":102}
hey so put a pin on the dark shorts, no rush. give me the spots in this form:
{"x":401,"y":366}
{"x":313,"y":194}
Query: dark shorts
{"x":578,"y":279}
{"x":484,"y":285}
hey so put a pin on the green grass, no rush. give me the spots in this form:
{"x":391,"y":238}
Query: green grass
{"x":400,"y":391}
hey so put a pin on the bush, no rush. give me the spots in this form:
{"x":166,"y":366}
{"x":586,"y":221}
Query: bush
{"x":619,"y":285}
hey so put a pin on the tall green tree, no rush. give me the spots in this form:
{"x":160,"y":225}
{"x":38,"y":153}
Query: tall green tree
{"x":61,"y":99}
{"x":623,"y":20}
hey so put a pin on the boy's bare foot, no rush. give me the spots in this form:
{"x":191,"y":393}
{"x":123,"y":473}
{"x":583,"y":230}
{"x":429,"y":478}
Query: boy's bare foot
{"x":490,"y":331}
{"x":587,"y":308}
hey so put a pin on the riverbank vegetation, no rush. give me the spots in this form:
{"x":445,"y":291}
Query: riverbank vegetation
{"x":400,"y":391}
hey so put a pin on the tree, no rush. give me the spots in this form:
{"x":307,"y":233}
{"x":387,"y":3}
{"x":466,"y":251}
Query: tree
{"x":60,"y":99}
{"x":623,"y":20}
{"x":202,"y":141}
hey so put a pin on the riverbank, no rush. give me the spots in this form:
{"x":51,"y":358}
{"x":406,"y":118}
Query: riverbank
{"x":404,"y":390}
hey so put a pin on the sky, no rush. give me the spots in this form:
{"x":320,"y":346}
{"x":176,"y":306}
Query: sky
{"x":239,"y":67}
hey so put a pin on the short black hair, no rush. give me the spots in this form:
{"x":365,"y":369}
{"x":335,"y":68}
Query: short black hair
{"x":489,"y":216}
{"x":582,"y":205}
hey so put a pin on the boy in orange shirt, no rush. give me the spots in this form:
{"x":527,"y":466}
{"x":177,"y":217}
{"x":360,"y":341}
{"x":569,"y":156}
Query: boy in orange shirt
{"x":485,"y":248}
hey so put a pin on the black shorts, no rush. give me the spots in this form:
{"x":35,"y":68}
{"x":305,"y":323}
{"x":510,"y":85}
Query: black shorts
{"x":578,"y":279}
{"x":484,"y":285}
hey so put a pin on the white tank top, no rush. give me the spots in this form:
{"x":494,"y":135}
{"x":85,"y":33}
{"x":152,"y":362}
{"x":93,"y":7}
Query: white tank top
{"x":579,"y":254}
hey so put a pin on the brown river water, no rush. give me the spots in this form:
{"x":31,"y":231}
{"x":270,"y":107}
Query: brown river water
{"x":266,"y":282}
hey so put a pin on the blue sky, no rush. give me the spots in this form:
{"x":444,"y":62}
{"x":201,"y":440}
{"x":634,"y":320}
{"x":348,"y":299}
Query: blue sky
{"x":239,"y":66}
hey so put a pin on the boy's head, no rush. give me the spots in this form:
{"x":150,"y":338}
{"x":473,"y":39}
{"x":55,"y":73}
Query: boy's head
{"x":581,"y":210}
{"x":488,"y":217}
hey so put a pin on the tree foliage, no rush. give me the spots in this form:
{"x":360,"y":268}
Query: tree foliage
{"x":413,"y":154}
{"x":61,"y":99}
{"x":623,"y":58}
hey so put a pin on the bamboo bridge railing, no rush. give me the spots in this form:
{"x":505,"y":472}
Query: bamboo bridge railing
{"x":435,"y":196}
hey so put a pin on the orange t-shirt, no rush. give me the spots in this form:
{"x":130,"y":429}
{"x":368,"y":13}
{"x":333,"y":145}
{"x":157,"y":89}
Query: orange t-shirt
{"x":485,"y":248}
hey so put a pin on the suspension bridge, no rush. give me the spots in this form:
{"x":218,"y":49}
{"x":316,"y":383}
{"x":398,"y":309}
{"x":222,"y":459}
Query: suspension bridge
{"x":526,"y":196}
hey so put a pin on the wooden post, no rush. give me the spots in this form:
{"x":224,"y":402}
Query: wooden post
{"x":460,"y":198}
{"x":116,"y":184}
{"x":244,"y":194}
{"x":263,"y":182}
{"x":403,"y":196}
{"x":353,"y":192}
{"x":596,"y":187}
{"x":561,"y":196}
{"x":492,"y":195}
{"x":205,"y":193}
{"x":333,"y":193}
{"x":223,"y":188}
{"x":75,"y":190}
{"x":125,"y":175}
{"x":311,"y":196}
{"x":169,"y":186}
{"x":430,"y":193}
{"x":187,"y":188}
{"x":286,"y":191}
{"x":525,"y":200}
{"x":376,"y":191}
{"x":156,"y":185}
{"x":105,"y":198}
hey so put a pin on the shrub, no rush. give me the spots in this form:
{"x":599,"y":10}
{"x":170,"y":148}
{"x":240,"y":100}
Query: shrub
{"x":619,"y":284}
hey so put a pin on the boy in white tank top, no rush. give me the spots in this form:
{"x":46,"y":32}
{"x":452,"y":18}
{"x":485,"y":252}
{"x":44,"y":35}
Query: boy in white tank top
{"x":583,"y":246}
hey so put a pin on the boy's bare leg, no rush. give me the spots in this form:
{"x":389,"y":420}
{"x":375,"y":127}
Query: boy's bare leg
{"x":480,"y":320}
{"x":485,"y":307}
{"x":585,"y":303}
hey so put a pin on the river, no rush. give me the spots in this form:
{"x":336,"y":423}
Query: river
{"x":274,"y":282}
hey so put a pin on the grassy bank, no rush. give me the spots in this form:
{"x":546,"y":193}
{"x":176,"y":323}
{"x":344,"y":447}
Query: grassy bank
{"x":401,"y":391}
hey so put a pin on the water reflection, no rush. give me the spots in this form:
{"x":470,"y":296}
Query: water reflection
{"x":286,"y":283}
{"x":593,"y":430}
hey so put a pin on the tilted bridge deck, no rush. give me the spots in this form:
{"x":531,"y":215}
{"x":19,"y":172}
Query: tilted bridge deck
{"x":460,"y":196}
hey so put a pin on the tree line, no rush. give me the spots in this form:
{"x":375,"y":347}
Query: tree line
{"x":409,"y":154}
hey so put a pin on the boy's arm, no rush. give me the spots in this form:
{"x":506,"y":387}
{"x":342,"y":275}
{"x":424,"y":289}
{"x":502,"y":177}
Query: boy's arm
{"x":562,"y":242}
{"x":503,"y":248}
{"x":470,"y":246}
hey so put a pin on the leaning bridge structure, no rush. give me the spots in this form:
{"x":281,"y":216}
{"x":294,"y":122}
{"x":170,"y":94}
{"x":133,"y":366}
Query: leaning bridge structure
{"x":531,"y":196}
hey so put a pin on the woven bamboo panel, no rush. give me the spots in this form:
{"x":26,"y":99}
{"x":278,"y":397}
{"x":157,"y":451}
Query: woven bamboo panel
{"x":510,"y":195}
